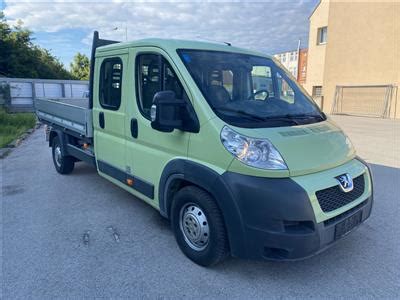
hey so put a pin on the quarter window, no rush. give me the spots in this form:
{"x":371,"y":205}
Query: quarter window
{"x":155,"y":74}
{"x":110,"y":84}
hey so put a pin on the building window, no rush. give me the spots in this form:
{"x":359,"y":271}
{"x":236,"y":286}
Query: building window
{"x":294,"y":72}
{"x":283,"y":57}
{"x":317,"y":91}
{"x":110,"y":83}
{"x":322,"y":35}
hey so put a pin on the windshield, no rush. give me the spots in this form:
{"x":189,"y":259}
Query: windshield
{"x":248,"y":90}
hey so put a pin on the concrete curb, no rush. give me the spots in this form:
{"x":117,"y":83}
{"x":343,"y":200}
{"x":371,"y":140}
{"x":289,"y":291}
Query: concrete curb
{"x":15,"y":143}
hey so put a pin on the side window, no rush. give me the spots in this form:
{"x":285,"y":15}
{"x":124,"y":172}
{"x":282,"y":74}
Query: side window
{"x":222,"y":78}
{"x":286,"y":93}
{"x":148,"y":81}
{"x":227,"y":81}
{"x":110,"y":83}
{"x":172,"y":83}
{"x":155,"y":74}
{"x":262,"y":81}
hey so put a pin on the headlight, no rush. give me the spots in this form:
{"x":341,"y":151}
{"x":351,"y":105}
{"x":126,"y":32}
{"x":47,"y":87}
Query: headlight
{"x":259,"y":153}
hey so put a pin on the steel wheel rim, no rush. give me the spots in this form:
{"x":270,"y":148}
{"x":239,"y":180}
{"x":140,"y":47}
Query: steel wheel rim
{"x":57,"y":156}
{"x":194,"y":226}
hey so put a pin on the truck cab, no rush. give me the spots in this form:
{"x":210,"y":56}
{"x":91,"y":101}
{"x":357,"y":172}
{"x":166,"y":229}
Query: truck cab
{"x":222,"y":141}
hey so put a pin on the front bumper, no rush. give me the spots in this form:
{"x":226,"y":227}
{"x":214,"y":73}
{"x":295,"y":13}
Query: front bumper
{"x":281,"y":220}
{"x":301,"y":242}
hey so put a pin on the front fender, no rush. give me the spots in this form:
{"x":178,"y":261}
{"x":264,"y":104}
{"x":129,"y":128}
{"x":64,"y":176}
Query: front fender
{"x":204,"y":177}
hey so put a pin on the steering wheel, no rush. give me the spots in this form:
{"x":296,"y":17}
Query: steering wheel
{"x":253,"y":95}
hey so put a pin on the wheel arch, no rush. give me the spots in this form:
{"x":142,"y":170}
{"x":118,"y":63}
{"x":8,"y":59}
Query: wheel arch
{"x":180,"y":172}
{"x":61,"y":136}
{"x":52,"y":135}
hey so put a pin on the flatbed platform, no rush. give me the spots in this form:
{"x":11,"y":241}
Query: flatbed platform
{"x":73,"y":114}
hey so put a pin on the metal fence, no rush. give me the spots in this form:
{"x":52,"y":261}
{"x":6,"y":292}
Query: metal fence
{"x":17,"y":94}
{"x":362,"y":100}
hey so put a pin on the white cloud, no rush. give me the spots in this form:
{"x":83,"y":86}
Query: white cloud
{"x":265,"y":26}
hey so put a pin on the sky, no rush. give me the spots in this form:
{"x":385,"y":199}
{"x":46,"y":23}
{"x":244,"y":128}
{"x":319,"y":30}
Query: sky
{"x":65,"y":27}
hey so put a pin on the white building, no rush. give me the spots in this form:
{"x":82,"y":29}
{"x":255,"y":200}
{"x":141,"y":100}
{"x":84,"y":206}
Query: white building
{"x":290,"y":60}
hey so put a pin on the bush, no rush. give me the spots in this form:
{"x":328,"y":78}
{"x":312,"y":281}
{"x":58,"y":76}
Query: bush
{"x":14,"y":125}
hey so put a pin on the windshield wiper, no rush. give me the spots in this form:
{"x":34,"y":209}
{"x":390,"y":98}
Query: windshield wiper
{"x":240,"y":112}
{"x":300,"y":116}
{"x":255,"y":117}
{"x":308,"y":116}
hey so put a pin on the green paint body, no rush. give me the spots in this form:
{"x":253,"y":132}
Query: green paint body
{"x":314,"y":153}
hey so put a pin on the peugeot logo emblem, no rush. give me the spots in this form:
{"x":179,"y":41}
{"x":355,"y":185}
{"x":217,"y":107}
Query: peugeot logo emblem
{"x":346,"y":182}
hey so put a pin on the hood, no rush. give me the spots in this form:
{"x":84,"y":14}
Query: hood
{"x":308,"y":148}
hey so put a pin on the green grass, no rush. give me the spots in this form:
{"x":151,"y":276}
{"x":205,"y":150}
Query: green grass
{"x":13,"y":125}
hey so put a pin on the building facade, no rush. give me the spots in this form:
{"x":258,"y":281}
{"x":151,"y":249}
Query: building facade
{"x":295,"y":62}
{"x":353,"y":57}
{"x":290,"y":60}
{"x":302,"y":66}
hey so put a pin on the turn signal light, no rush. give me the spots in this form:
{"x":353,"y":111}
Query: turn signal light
{"x":129,"y":181}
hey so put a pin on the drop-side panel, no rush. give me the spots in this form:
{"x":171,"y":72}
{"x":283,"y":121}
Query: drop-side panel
{"x":72,"y":114}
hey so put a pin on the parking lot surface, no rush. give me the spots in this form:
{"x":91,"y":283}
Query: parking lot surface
{"x":80,"y":236}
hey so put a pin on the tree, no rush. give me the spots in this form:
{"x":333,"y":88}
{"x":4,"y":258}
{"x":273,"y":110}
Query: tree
{"x":80,"y":67}
{"x":21,"y":58}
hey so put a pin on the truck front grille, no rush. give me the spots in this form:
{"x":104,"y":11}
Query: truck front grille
{"x":333,"y":198}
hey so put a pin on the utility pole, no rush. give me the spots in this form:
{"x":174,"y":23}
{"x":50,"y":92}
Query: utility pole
{"x":298,"y":60}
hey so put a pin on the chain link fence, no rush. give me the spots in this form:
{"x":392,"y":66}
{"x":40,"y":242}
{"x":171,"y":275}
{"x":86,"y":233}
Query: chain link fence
{"x":362,"y":100}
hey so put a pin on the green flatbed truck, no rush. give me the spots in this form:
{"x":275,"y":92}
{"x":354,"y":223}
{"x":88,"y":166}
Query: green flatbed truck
{"x":221,"y":140}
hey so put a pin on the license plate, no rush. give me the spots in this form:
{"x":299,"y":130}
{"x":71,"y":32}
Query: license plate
{"x":347,"y":225}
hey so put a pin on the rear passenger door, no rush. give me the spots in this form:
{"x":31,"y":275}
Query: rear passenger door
{"x":149,"y":150}
{"x":109,"y":114}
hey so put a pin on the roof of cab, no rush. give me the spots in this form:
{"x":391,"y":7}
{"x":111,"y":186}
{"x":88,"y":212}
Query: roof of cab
{"x":173,"y":44}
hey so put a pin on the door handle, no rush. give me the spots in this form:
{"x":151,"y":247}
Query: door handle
{"x":101,"y":119}
{"x":134,"y":128}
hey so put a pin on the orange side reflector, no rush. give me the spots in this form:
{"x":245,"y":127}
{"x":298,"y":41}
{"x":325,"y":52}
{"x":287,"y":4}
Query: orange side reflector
{"x":85,"y":146}
{"x":129,"y":182}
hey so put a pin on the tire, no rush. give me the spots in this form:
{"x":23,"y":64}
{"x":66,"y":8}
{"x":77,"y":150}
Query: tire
{"x":207,"y":243}
{"x":63,"y":164}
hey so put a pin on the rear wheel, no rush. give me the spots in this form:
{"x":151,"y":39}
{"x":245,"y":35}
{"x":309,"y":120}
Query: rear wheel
{"x":64,"y":164}
{"x":199,"y":227}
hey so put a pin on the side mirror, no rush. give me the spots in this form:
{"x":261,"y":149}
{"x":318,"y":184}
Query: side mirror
{"x":168,"y":113}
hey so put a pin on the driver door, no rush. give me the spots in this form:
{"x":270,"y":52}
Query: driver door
{"x":149,"y":150}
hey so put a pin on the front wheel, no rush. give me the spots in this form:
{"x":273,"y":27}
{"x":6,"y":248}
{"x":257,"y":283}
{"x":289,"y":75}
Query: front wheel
{"x":63,"y":164}
{"x":199,"y":227}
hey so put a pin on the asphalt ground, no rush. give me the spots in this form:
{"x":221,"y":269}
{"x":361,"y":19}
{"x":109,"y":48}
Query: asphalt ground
{"x":79,"y":236}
